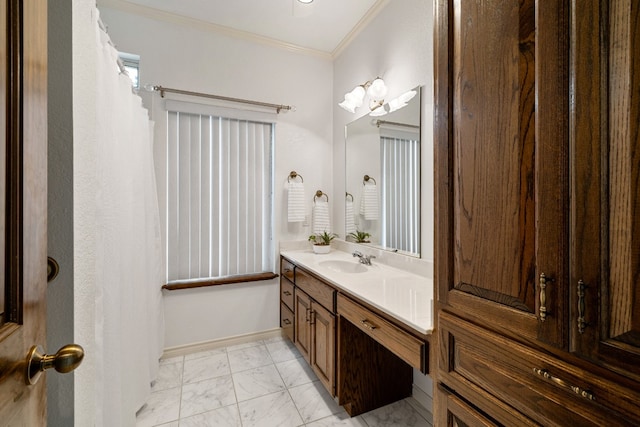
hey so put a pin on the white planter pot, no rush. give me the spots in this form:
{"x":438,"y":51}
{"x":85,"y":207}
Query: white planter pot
{"x":321,"y":249}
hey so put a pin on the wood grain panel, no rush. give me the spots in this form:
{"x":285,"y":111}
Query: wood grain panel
{"x":286,"y":293}
{"x":316,"y":289}
{"x":324,"y":346}
{"x":287,"y":321}
{"x":494,"y":100}
{"x":502,"y":167}
{"x":476,"y":359}
{"x":287,"y":269}
{"x":302,"y":326}
{"x":405,"y":346}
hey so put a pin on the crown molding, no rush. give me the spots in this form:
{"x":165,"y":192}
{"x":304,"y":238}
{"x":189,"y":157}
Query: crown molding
{"x":366,"y":19}
{"x":160,"y":15}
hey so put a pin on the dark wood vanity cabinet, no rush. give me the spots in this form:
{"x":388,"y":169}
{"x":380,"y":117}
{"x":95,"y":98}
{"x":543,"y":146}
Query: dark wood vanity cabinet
{"x":537,"y":140}
{"x":314,"y":324}
{"x":363,"y":356}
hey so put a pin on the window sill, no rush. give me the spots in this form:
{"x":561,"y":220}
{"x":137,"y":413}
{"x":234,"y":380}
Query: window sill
{"x":190,"y":284}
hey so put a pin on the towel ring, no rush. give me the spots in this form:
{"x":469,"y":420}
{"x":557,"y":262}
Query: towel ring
{"x":348,"y":195}
{"x":294,"y":175}
{"x":319,"y":193}
{"x":367,"y":178}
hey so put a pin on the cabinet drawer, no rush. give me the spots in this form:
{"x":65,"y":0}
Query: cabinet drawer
{"x":481,"y":365}
{"x":406,"y":346}
{"x":286,"y":321}
{"x":316,"y":289}
{"x":287,"y":269}
{"x":286,"y":293}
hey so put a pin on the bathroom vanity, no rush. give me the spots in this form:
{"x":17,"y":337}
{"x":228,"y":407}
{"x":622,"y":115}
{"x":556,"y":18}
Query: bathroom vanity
{"x":362,"y":328}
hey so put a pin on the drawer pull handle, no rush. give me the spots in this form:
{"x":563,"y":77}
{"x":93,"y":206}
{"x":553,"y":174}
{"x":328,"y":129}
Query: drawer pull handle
{"x":543,"y":296}
{"x":287,"y":293}
{"x":307,"y":311}
{"x":368,"y":325}
{"x":581,"y":307}
{"x":286,"y":321}
{"x":562,"y":383}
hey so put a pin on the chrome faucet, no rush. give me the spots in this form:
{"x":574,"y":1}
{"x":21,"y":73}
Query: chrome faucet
{"x":364,"y":259}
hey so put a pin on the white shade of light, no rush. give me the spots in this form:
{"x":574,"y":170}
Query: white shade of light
{"x":353,"y":99}
{"x":377,"y":90}
{"x":305,"y":1}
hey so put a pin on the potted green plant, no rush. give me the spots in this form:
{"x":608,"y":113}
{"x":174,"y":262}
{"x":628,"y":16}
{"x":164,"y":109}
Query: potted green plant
{"x":360,"y":236}
{"x":322,"y":242}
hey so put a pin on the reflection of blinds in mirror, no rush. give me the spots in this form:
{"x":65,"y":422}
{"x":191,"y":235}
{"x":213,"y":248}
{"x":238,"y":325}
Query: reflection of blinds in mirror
{"x":218,"y":196}
{"x":400,"y":191}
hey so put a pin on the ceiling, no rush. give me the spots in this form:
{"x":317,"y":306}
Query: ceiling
{"x":323,"y":26}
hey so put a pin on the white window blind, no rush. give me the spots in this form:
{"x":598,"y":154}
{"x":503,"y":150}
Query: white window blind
{"x":400,"y":158}
{"x":219,"y":189}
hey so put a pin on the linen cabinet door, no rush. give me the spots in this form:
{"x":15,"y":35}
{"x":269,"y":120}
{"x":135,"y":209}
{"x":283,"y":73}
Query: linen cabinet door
{"x":501,"y":176}
{"x":605,"y":230}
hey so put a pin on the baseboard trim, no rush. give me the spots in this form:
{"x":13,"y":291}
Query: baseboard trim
{"x":422,"y":402}
{"x":219,"y":343}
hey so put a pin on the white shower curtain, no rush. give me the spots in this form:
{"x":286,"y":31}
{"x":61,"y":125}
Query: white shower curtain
{"x":128,"y":259}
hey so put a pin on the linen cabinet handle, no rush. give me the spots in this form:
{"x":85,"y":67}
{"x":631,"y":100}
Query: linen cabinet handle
{"x":543,"y":296}
{"x":581,"y":307}
{"x":564,"y":384}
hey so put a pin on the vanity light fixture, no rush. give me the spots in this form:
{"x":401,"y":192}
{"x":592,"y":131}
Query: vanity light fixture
{"x":305,"y":1}
{"x":376,"y":89}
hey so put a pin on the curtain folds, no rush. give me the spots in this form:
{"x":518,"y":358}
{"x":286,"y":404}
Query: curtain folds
{"x":128,"y":259}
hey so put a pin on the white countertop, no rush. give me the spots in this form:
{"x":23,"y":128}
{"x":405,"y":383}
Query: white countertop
{"x":403,"y":295}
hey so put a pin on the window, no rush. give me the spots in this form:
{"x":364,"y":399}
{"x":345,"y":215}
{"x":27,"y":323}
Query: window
{"x":218,"y":199}
{"x":131,"y":64}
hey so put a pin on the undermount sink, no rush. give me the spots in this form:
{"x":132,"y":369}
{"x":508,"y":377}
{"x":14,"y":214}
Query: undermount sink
{"x":343,"y":266}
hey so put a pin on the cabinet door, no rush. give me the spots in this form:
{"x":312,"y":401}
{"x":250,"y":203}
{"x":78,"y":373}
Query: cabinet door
{"x":302,"y":327}
{"x":501,"y":143}
{"x":605,"y":267}
{"x":323,"y":345}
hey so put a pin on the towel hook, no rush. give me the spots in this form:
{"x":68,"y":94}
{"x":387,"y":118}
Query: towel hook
{"x":348,"y":195}
{"x":294,"y":175}
{"x":367,"y":178}
{"x":319,"y":193}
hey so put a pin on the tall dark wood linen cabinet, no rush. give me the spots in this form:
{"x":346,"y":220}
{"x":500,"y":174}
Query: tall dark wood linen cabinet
{"x":537,"y":136}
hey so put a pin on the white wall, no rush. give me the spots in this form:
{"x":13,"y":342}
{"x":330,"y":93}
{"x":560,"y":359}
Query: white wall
{"x":187,"y":55}
{"x":397,"y":46}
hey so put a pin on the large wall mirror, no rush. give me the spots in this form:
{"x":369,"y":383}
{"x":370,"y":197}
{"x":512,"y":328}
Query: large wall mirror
{"x":382,"y":177}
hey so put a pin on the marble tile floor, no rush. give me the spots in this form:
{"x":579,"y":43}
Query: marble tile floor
{"x":263,"y":383}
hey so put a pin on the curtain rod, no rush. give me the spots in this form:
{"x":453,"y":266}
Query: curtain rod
{"x":386,"y":122}
{"x":277,"y":107}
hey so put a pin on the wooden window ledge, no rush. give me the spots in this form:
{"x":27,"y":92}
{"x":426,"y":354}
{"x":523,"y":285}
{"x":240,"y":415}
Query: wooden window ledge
{"x":201,"y":283}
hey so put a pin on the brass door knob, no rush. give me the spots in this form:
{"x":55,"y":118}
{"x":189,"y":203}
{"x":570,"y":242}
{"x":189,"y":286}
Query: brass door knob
{"x":65,"y":360}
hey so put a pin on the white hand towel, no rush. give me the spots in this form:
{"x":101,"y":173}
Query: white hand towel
{"x":349,"y":219}
{"x":369,"y":202}
{"x":295,"y":200}
{"x":321,"y":221}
